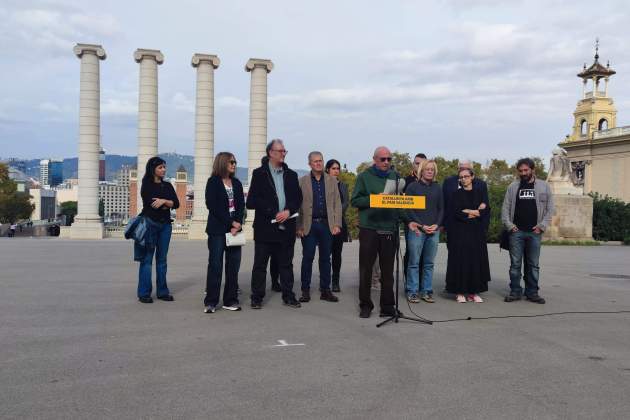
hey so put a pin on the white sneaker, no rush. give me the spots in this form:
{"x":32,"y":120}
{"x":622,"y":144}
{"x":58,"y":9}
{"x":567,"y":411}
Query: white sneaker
{"x":233,"y":307}
{"x":461,"y":299}
{"x":210,"y":309}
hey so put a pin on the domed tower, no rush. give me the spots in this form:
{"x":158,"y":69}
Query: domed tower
{"x":181,"y":183}
{"x":596,"y":110}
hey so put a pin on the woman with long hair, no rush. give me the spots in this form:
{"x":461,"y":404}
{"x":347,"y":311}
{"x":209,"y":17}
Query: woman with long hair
{"x":333,"y":168}
{"x":468,"y":270}
{"x":158,"y":198}
{"x":226,"y":206}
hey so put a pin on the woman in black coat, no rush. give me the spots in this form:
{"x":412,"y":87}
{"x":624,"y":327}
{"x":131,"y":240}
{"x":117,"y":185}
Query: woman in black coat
{"x":226,"y":206}
{"x":468,"y":270}
{"x":333,"y":168}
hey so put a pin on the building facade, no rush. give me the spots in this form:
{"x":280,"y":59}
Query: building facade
{"x":598,"y":149}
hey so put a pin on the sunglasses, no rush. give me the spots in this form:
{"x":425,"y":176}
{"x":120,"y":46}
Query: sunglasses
{"x":232,"y":162}
{"x":465,"y":177}
{"x":385,"y":159}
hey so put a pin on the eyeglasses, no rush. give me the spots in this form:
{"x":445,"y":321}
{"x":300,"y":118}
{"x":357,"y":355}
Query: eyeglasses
{"x":232,"y":162}
{"x":465,"y":177}
{"x":386,"y":159}
{"x":283,"y":151}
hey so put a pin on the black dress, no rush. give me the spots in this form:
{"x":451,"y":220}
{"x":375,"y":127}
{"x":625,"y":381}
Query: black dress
{"x":468,"y":270}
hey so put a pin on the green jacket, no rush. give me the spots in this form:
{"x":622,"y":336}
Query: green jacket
{"x":376,"y":219}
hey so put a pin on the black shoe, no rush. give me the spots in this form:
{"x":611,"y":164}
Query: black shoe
{"x":536,"y":299}
{"x":145,"y":299}
{"x":275,"y":286}
{"x":292,"y":303}
{"x":328,"y":296}
{"x":306,"y":296}
{"x":365,"y":313}
{"x":512,"y":298}
{"x":389,"y":312}
{"x":335,"y":286}
{"x":256,"y":305}
{"x":167,"y":298}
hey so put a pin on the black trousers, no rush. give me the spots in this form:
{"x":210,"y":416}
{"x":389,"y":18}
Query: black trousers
{"x":371,"y":244}
{"x":337,"y":248}
{"x":282,"y":252}
{"x":274,"y":270}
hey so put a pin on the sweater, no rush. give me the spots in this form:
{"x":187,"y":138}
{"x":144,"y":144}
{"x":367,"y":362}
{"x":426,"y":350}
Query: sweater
{"x":368,"y":182}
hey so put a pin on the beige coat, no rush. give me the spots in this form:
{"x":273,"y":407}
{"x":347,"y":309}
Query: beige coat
{"x":333,"y":203}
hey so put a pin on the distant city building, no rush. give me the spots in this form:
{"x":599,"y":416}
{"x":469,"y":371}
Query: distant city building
{"x":115,"y":196}
{"x":20,"y":178}
{"x":181,"y":188}
{"x":101,"y":165}
{"x":18,"y":164}
{"x":133,"y":192}
{"x":45,"y":202}
{"x":50,"y":172}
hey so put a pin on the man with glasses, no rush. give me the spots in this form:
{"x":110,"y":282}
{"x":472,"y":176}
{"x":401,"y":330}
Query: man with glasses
{"x":377,"y":230}
{"x":319,"y":220}
{"x":275,"y":195}
{"x":526,"y":213}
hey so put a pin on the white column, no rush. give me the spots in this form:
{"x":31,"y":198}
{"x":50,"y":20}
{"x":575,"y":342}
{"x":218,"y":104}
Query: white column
{"x":606,"y":86}
{"x":87,"y":223}
{"x":204,"y":139}
{"x":147,"y":109}
{"x":584,"y":89}
{"x":257,"y":112}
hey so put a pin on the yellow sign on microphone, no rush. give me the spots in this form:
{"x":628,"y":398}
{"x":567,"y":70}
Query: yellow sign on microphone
{"x":391,"y":201}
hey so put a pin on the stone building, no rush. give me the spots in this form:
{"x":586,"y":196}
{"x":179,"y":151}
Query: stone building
{"x":598,"y":149}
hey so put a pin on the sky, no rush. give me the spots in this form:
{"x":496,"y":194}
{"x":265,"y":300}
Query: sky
{"x":477,"y":79}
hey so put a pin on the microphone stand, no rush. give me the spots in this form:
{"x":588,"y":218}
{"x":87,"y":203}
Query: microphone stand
{"x":397,"y":314}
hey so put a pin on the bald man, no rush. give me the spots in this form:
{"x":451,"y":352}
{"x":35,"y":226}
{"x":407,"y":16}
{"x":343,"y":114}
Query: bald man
{"x":377,"y":230}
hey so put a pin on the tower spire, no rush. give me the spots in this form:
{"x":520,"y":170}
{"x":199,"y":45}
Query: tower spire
{"x":596,"y":49}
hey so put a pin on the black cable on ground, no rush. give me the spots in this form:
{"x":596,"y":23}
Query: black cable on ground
{"x":476,"y":318}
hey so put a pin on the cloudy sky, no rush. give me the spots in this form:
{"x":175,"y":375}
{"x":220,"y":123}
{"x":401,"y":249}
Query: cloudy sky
{"x":457,"y":78}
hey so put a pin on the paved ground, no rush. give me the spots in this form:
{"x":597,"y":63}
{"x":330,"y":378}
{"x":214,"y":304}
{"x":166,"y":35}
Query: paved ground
{"x":76,"y":344}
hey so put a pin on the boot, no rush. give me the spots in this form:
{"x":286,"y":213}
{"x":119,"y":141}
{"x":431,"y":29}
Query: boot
{"x":306,"y":295}
{"x":328,"y":296}
{"x":335,"y":283}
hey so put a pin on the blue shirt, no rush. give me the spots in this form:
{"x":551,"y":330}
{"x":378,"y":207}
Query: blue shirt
{"x":277,"y":174}
{"x":319,"y":197}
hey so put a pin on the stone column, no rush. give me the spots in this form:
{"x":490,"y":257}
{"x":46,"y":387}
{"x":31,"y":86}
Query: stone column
{"x":257,"y":112}
{"x":147,"y":109}
{"x":204,"y":140}
{"x":87,"y":223}
{"x":257,"y":124}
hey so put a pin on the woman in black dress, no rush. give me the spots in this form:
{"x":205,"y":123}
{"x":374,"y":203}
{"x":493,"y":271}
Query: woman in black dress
{"x":333,"y":168}
{"x":468,"y":270}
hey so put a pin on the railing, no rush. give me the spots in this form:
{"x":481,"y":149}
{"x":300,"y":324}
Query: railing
{"x":611,"y":132}
{"x":598,"y":94}
{"x":119,"y":231}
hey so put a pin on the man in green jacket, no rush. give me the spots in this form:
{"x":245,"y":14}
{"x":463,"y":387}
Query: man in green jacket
{"x":377,"y":230}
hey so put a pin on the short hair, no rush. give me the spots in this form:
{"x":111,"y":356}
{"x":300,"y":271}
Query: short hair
{"x":330,"y":163}
{"x":271,"y":143}
{"x":526,"y":161}
{"x":466,"y":162}
{"x":420,"y":155}
{"x":220,"y":165}
{"x":426,"y":163}
{"x":315,"y":153}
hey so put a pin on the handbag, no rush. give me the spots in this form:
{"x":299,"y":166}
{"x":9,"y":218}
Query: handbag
{"x":235,"y":240}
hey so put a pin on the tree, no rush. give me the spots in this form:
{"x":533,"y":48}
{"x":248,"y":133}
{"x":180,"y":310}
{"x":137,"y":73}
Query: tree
{"x":14,"y":205}
{"x":69,"y":209}
{"x":402,"y":162}
{"x":499,"y":172}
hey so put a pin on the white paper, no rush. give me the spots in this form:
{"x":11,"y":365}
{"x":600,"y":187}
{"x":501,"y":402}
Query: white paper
{"x":293,"y":216}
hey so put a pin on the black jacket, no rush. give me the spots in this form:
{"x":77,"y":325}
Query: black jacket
{"x":451,"y":185}
{"x":262,"y":198}
{"x":219,"y":219}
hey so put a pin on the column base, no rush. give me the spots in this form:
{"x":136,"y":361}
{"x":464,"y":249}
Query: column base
{"x":85,"y":229}
{"x":572,"y":219}
{"x":197,"y":230}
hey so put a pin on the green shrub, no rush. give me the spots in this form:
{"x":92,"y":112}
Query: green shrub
{"x":611,"y":219}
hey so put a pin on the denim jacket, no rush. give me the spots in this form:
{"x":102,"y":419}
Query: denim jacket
{"x":143,"y":231}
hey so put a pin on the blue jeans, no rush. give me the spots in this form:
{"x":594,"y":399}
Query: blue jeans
{"x":216,"y":248}
{"x":319,"y":236}
{"x":524,"y":245}
{"x":161,"y":249}
{"x":426,"y":246}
